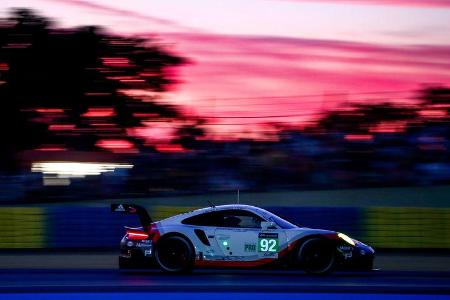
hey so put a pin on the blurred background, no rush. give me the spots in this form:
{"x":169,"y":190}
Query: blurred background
{"x":333,"y":115}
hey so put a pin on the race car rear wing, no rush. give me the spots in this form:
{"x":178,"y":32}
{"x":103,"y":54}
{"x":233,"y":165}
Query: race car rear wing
{"x":142,"y":213}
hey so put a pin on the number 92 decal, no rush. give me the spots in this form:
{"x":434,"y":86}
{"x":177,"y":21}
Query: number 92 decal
{"x":267,"y":245}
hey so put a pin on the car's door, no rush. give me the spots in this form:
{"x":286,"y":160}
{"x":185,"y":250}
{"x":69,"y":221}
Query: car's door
{"x":240,"y":237}
{"x":204,"y":226}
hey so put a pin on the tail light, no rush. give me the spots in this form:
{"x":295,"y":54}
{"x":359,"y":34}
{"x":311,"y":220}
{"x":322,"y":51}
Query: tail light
{"x":154,"y":232}
{"x":137,"y":234}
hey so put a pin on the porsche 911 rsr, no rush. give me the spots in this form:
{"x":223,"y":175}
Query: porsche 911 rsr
{"x":236,"y":236}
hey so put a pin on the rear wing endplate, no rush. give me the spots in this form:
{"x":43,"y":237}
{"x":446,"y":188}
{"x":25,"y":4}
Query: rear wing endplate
{"x":142,"y":213}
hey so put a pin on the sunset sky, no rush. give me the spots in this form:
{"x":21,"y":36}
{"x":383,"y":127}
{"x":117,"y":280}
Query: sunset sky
{"x":279,"y":60}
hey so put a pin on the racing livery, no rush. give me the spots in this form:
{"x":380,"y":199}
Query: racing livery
{"x":236,"y":236}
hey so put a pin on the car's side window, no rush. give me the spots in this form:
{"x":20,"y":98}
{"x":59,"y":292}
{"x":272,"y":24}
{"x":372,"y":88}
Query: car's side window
{"x":241,"y":219}
{"x":207,"y":219}
{"x":233,"y":218}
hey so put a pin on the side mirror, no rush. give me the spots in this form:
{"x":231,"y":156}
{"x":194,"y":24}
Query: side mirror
{"x":268,"y":225}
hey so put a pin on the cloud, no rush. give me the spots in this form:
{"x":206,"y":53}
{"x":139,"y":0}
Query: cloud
{"x":229,"y":53}
{"x":229,"y":69}
{"x":419,"y":3}
{"x":98,"y":8}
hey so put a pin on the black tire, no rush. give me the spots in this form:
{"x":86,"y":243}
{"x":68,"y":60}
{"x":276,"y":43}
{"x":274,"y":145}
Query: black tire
{"x":316,"y":256}
{"x":174,"y":254}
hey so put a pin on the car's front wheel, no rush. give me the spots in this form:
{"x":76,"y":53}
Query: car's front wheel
{"x":174,"y":254}
{"x":316,"y":256}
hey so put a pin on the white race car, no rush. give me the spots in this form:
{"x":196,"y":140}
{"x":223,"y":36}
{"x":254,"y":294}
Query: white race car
{"x":236,"y":236}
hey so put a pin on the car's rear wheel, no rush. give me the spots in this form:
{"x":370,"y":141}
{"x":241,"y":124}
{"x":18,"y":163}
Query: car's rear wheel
{"x":316,"y":256}
{"x":174,"y":254}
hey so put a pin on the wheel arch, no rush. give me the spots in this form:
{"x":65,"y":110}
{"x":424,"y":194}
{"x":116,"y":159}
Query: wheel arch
{"x":328,"y":237}
{"x":179,"y":234}
{"x":299,"y":242}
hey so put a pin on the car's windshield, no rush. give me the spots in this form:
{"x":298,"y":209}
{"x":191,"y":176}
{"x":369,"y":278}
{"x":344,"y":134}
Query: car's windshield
{"x":270,"y":216}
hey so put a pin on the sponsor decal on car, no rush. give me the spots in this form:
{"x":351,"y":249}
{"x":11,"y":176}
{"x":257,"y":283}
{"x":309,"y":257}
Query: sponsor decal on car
{"x":233,"y":258}
{"x":250,"y":247}
{"x":120,"y":208}
{"x":145,"y":242}
{"x":345,"y":248}
{"x":346,"y":251}
{"x":272,"y":235}
{"x":348,"y":255}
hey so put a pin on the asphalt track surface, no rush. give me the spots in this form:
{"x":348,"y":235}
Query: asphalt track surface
{"x":113,"y":280}
{"x":78,"y":275}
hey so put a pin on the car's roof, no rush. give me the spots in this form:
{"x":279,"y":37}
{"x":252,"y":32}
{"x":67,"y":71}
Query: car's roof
{"x":226,"y":207}
{"x":214,"y":208}
{"x":230,"y":206}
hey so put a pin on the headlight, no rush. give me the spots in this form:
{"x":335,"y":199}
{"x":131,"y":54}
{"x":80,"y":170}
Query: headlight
{"x":346,"y":238}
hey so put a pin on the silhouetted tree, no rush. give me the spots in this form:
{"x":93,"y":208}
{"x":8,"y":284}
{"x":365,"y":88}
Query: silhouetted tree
{"x":438,"y":95}
{"x":360,"y":118}
{"x":189,"y":134}
{"x":72,"y":87}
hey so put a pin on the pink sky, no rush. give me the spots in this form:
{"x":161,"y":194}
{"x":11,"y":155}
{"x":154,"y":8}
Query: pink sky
{"x":263,"y":49}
